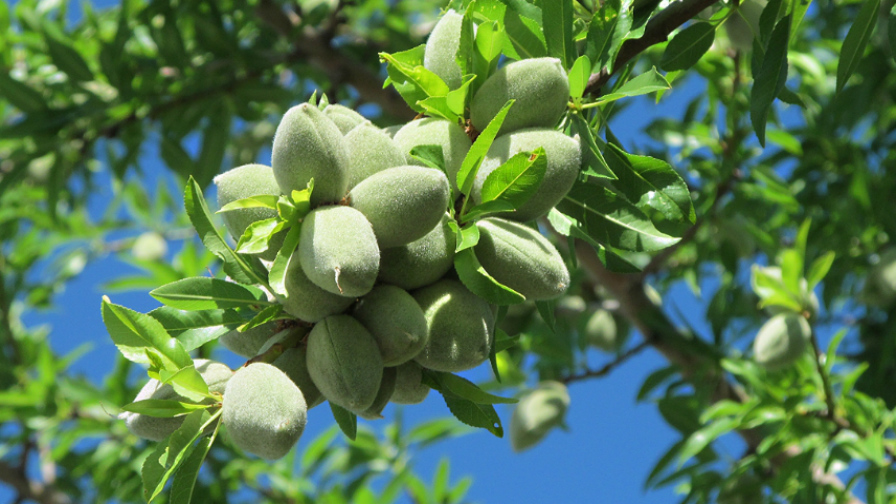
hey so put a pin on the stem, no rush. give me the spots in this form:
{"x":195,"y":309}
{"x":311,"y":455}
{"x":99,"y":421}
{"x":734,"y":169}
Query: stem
{"x":595,"y":373}
{"x":825,"y":379}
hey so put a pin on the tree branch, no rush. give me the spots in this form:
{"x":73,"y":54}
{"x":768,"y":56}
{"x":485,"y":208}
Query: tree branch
{"x":658,"y":29}
{"x":30,"y":489}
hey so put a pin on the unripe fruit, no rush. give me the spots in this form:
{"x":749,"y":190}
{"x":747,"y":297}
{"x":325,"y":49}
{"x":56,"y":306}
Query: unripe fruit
{"x":305,"y":300}
{"x":601,"y":333}
{"x":564,"y":159}
{"x":808,"y":299}
{"x":247,"y":343}
{"x":293,"y":362}
{"x":243,"y":182}
{"x":371,"y":151}
{"x":387,"y":387}
{"x":539,"y":86}
{"x":409,"y":388}
{"x":264,"y":411}
{"x":537,"y":413}
{"x":149,"y":246}
{"x":338,"y":251}
{"x":344,"y":362}
{"x":440,"y":56}
{"x":215,"y":375}
{"x":343,"y":117}
{"x":432,"y":131}
{"x":402,"y":203}
{"x":395,"y":321}
{"x":308,"y":145}
{"x":422,"y":261}
{"x":521,"y":258}
{"x":460,"y":327}
{"x":880,"y":283}
{"x":781,"y":341}
{"x":743,"y":26}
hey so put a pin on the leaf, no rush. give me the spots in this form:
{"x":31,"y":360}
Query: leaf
{"x":68,"y":60}
{"x":516,"y":180}
{"x":162,"y":408}
{"x":470,"y":167}
{"x":702,"y":438}
{"x":647,"y":82}
{"x":547,"y":311}
{"x":557,"y":18}
{"x":259,"y":201}
{"x":688,"y":46}
{"x":264,"y":316}
{"x":346,"y":420}
{"x":203,"y":293}
{"x":479,"y":282}
{"x":185,"y":478}
{"x":412,"y":80}
{"x":469,"y":412}
{"x":857,"y":38}
{"x":484,"y":209}
{"x":608,"y":218}
{"x":215,"y":137}
{"x":819,"y":269}
{"x":135,"y":333}
{"x":771,"y":78}
{"x":467,"y":236}
{"x":169,"y":454}
{"x":20,"y":95}
{"x":525,"y":37}
{"x":430,"y":155}
{"x":465,"y":389}
{"x":578,"y":76}
{"x":592,"y":159}
{"x":277,"y":276}
{"x":187,"y":382}
{"x":486,"y":52}
{"x":891,"y":31}
{"x":609,"y":28}
{"x":234,"y":264}
{"x":651,"y":183}
{"x":257,"y":237}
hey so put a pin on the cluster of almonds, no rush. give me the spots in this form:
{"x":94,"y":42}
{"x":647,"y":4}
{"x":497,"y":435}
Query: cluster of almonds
{"x":373,"y":274}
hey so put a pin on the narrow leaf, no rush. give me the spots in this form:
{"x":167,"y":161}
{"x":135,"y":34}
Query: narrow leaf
{"x":771,"y":78}
{"x":134,"y":333}
{"x":260,"y":201}
{"x":475,"y":278}
{"x":277,"y":277}
{"x":162,"y":408}
{"x":819,"y":269}
{"x":465,"y":389}
{"x":203,"y":293}
{"x":651,"y":183}
{"x":647,"y":82}
{"x":185,"y":478}
{"x":857,"y":38}
{"x":20,"y":95}
{"x":688,"y":46}
{"x":578,"y":76}
{"x":516,"y":180}
{"x":257,"y":237}
{"x":470,"y":167}
{"x":346,"y":420}
{"x":557,"y":20}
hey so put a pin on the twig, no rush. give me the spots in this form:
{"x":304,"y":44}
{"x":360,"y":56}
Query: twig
{"x":658,"y":29}
{"x":828,"y":390}
{"x":604,"y":370}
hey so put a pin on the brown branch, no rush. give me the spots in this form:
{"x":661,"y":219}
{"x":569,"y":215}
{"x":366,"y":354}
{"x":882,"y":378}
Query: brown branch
{"x":314,"y":46}
{"x":30,"y":489}
{"x":607,"y":368}
{"x":658,"y":29}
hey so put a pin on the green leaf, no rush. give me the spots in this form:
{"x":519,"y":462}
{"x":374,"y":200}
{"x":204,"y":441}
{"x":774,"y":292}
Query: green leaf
{"x":516,"y":180}
{"x":606,"y":217}
{"x":470,"y":167}
{"x":437,"y":106}
{"x":468,"y":412}
{"x":20,"y":95}
{"x":257,"y":237}
{"x":215,"y":138}
{"x":346,"y":420}
{"x":162,"y":408}
{"x":557,"y":18}
{"x":412,"y":80}
{"x":430,"y":155}
{"x":525,"y":36}
{"x":547,"y":310}
{"x":609,"y":28}
{"x":651,"y":183}
{"x":264,"y":316}
{"x":484,"y":209}
{"x":185,"y":477}
{"x":203,"y":293}
{"x":467,"y":236}
{"x":177,"y":321}
{"x":771,"y":78}
{"x":593,"y":160}
{"x":135,"y":333}
{"x":465,"y":389}
{"x":857,"y":38}
{"x":479,"y":282}
{"x":67,"y":59}
{"x":702,"y":438}
{"x":819,"y":269}
{"x":260,"y":201}
{"x":486,"y":51}
{"x":648,"y":82}
{"x":187,"y":382}
{"x":281,"y":262}
{"x":235,"y":265}
{"x":465,"y":49}
{"x":891,"y":31}
{"x":578,"y":76}
{"x":688,"y":46}
{"x":171,"y":452}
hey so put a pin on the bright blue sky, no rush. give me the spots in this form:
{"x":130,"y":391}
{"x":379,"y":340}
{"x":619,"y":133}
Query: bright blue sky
{"x":605,"y":457}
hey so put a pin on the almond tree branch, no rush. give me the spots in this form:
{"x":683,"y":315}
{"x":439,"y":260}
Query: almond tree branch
{"x":29,"y":489}
{"x":658,"y":29}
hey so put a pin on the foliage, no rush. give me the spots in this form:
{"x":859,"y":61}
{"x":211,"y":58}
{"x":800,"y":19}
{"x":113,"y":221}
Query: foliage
{"x":782,"y":159}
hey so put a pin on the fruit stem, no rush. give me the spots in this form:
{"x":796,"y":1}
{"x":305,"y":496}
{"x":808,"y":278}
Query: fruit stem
{"x":825,"y":379}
